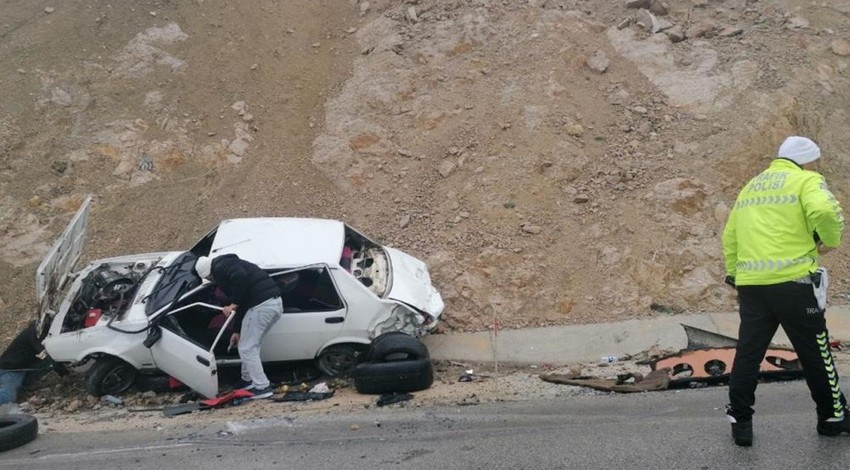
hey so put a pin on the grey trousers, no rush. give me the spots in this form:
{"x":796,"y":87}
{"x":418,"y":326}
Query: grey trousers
{"x":257,"y":322}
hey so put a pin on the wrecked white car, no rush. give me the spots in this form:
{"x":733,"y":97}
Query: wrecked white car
{"x":150,"y":312}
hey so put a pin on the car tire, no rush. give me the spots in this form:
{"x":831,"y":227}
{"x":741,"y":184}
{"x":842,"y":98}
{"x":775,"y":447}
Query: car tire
{"x":17,"y":430}
{"x":397,"y":346}
{"x":395,"y":376}
{"x":110,"y":376}
{"x":337,"y":360}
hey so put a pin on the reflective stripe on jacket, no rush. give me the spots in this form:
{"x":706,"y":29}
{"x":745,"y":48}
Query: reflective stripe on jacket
{"x":769,"y":237}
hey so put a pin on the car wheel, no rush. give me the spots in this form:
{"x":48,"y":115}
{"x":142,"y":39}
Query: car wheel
{"x":397,"y":376}
{"x":338,"y":359}
{"x":397,"y":346}
{"x":17,"y":430}
{"x":109,"y":376}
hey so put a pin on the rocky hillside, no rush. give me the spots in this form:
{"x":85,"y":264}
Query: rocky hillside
{"x":555,"y":161}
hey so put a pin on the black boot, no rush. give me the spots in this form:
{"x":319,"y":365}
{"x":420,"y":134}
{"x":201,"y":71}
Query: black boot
{"x":742,"y":433}
{"x":834,"y":428}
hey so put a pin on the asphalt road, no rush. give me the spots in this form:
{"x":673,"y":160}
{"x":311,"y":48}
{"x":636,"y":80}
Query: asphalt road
{"x":662,"y":430}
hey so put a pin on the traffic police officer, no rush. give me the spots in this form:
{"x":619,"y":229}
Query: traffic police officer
{"x":781,"y":221}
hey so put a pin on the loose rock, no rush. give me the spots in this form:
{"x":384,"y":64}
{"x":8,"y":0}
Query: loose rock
{"x":798,"y":22}
{"x":840,"y":47}
{"x":239,"y":107}
{"x":532,"y":229}
{"x":446,"y":168}
{"x":730,"y":31}
{"x":411,"y":14}
{"x":575,"y":130}
{"x":599,"y":62}
{"x":638,"y":4}
{"x":49,"y":10}
{"x":658,"y":8}
{"x":700,"y":29}
{"x":675,"y":34}
{"x":581,"y":199}
{"x":404,"y":221}
{"x":652,"y":23}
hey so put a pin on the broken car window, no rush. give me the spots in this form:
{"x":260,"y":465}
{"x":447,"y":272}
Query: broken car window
{"x":308,"y":290}
{"x":171,"y":284}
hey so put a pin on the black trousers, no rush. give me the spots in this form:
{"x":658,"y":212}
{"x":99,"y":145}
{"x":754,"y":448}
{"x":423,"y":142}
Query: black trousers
{"x":762,"y":310}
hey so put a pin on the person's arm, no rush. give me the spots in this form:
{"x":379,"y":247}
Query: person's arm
{"x":730,"y":246}
{"x":822,"y":211}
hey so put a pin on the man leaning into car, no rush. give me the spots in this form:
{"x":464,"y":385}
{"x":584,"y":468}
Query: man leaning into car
{"x":257,"y":306}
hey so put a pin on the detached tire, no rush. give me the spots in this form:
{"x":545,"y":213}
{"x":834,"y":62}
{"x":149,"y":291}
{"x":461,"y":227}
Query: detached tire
{"x":110,"y":376}
{"x":394,"y":376}
{"x":397,"y":346}
{"x":17,"y":430}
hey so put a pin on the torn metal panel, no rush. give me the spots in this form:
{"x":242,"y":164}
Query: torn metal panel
{"x":691,"y":364}
{"x":699,"y":338}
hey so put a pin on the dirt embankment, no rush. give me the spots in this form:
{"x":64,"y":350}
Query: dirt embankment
{"x":552,"y":161}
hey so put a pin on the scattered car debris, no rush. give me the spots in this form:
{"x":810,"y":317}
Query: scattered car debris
{"x":654,"y":381}
{"x":609,"y":359}
{"x":715,"y":364}
{"x":467,"y":376}
{"x":146,"y":410}
{"x":320,"y":388}
{"x":304,"y":396}
{"x":181,"y":409}
{"x":390,"y":398}
{"x":706,"y":360}
{"x":233,"y":398}
{"x":112,"y":400}
{"x":709,"y":357}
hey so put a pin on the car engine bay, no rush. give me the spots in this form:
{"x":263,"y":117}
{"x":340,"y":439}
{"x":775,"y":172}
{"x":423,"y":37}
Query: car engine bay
{"x":107,"y":291}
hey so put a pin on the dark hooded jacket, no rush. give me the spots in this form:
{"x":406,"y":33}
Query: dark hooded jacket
{"x":22,"y":351}
{"x":244,"y":283}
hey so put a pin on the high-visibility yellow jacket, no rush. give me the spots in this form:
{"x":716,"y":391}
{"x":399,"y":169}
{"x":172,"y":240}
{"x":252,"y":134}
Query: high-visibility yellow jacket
{"x":769,"y":237}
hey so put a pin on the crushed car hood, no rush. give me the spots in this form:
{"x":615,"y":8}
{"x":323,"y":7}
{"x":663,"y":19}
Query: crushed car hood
{"x":53,"y":272}
{"x":411,"y":284}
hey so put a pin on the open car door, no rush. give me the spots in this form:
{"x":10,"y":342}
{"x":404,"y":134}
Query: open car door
{"x":176,"y":354}
{"x":53,"y":272}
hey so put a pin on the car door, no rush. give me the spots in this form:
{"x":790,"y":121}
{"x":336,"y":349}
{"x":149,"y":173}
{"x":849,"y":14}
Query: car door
{"x":184,"y":359}
{"x":314,"y":313}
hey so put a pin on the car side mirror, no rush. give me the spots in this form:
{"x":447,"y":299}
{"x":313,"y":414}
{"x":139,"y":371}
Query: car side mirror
{"x":154,"y":335}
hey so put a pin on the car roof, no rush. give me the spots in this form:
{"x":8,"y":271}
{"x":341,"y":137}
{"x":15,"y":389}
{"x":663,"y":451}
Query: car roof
{"x":281,"y":242}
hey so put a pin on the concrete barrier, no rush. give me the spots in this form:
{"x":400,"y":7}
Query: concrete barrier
{"x":588,"y":343}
